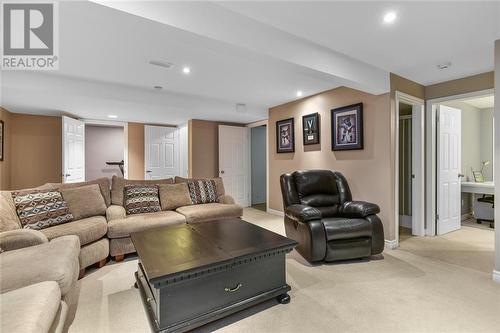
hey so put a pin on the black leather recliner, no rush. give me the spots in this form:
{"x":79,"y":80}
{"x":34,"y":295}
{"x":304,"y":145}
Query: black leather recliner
{"x":321,"y":216}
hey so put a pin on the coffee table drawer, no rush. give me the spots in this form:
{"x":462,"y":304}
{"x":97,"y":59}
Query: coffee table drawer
{"x":179,"y":302}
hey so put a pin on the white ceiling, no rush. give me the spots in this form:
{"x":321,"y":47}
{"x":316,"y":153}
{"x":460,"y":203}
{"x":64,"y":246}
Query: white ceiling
{"x":255,"y":53}
{"x":486,"y":102}
{"x":424,"y":35}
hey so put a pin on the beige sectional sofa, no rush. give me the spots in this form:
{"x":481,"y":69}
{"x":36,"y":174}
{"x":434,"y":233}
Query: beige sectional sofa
{"x":91,"y":229}
{"x":39,"y":268}
{"x":38,"y":285}
{"x":121,"y":225}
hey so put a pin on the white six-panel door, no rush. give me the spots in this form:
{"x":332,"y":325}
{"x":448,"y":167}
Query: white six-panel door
{"x":449,"y":168}
{"x":73,"y":150}
{"x":161,"y":152}
{"x":234,"y":162}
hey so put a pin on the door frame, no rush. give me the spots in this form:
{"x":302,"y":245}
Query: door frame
{"x":420,"y":103}
{"x":111,"y":123}
{"x":432,"y":151}
{"x":250,"y":126}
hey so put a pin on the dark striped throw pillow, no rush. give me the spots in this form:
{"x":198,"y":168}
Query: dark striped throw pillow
{"x":203,"y":191}
{"x":40,"y":209}
{"x":138,"y":199}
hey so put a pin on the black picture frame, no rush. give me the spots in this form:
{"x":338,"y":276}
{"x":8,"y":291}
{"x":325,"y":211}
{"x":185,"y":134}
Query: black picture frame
{"x":311,"y":129}
{"x":285,"y":136}
{"x":2,"y":139}
{"x":347,"y":127}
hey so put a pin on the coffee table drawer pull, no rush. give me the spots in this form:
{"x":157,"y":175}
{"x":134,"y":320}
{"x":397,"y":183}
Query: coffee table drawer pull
{"x":232,"y":290}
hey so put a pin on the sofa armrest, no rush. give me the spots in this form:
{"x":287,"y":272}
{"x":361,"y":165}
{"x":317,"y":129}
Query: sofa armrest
{"x":20,"y":238}
{"x":115,"y":212}
{"x":358,"y":209}
{"x":226,"y":199}
{"x":302,"y":213}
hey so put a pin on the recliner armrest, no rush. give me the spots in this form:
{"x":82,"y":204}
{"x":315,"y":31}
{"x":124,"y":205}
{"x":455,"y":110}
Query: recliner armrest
{"x":20,"y":238}
{"x":358,"y":209}
{"x":302,"y":213}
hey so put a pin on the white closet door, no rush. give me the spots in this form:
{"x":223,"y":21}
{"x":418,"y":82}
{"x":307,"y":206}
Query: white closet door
{"x":234,"y":162}
{"x":161,"y":152}
{"x":449,"y":168}
{"x":73,"y":150}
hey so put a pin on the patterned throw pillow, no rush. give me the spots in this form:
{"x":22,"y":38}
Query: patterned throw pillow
{"x":203,"y":191}
{"x":39,"y":209}
{"x":139,"y":199}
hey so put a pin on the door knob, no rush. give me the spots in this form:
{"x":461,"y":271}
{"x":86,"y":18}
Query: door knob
{"x":149,"y":171}
{"x":461,"y":175}
{"x":222,"y":171}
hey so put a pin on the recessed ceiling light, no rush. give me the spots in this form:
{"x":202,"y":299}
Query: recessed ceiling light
{"x":444,"y":65}
{"x":390,"y":17}
{"x":112,"y":116}
{"x":186,"y":70}
{"x":299,"y":93}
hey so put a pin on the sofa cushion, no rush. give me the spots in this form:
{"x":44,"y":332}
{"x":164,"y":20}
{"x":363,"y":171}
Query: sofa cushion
{"x":173,"y":196}
{"x":104,"y":186}
{"x":203,"y":191}
{"x":39,"y":209}
{"x":87,"y":230}
{"x":119,"y":183}
{"x":210,"y":211}
{"x":140,"y":199}
{"x":138,"y":222}
{"x":84,"y":201}
{"x":218,"y":183}
{"x":345,"y":228}
{"x":30,"y":309}
{"x":53,"y":261}
{"x":8,"y":215}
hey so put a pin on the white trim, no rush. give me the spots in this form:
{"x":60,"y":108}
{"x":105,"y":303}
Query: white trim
{"x":431,"y":151}
{"x":496,"y":276}
{"x":391,"y":244}
{"x":109,"y":123}
{"x":413,"y":101}
{"x":257,"y":123}
{"x":275,"y":212}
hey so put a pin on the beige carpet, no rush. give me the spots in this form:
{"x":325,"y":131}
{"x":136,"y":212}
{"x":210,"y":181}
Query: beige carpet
{"x":439,"y":284}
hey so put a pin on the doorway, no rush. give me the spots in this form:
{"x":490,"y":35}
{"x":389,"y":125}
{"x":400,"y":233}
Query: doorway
{"x":409,"y":160}
{"x":104,"y":151}
{"x":462,"y":181}
{"x":405,"y":170}
{"x":259,"y":167}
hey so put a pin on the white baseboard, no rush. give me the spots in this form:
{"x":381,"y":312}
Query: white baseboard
{"x":496,"y":276}
{"x":391,"y":244}
{"x":275,"y":212}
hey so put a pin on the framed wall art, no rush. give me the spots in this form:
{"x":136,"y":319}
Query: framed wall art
{"x":347,"y":127}
{"x":285,"y":136}
{"x":310,"y":127}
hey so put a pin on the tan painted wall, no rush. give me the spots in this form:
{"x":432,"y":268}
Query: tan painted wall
{"x":5,"y":164}
{"x":35,"y":150}
{"x":203,"y":141}
{"x":368,"y":171}
{"x":135,"y":144}
{"x":464,"y":85}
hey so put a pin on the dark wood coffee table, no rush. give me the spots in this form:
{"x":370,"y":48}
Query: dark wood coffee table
{"x":190,"y":275}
